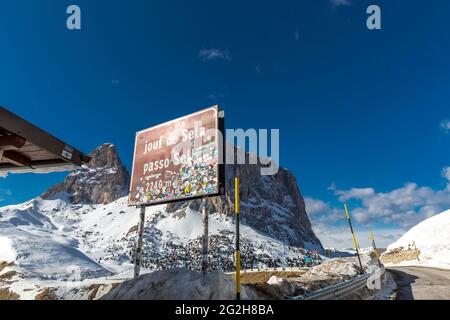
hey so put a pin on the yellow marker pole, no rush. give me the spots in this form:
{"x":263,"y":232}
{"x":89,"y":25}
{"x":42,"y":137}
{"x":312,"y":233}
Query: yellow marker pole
{"x":238,"y":251}
{"x":355,"y":242}
{"x":374,"y":246}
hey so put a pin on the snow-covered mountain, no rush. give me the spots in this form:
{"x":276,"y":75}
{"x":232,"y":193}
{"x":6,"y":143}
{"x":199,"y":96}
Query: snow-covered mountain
{"x":429,"y":241}
{"x":83,"y":227}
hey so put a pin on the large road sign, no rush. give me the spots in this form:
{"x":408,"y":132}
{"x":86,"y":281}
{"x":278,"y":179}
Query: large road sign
{"x":179,"y":160}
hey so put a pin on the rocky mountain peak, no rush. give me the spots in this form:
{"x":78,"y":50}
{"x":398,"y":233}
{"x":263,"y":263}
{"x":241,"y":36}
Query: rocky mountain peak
{"x":273,"y":205}
{"x":102,"y":181}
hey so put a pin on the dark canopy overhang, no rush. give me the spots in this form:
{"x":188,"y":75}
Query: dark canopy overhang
{"x":26,"y":148}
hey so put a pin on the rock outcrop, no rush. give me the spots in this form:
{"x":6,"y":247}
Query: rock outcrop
{"x":271,"y":204}
{"x":102,"y":181}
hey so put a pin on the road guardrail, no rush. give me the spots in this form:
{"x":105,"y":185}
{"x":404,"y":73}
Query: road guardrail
{"x":343,"y":289}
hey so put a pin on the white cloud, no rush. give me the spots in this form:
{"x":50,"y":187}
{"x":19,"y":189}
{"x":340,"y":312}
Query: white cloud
{"x":218,"y":96}
{"x":339,"y":237}
{"x":314,"y":206}
{"x":321,"y":211}
{"x":214,"y":54}
{"x":338,"y":3}
{"x":445,"y":126}
{"x":330,"y":226}
{"x":446,"y":174}
{"x":6,"y":192}
{"x":354,"y":193}
{"x":392,"y":211}
{"x":3,"y":193}
{"x":327,"y":223}
{"x":405,"y":206}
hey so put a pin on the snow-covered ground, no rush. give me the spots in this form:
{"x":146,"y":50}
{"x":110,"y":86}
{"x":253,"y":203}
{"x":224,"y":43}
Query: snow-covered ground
{"x":55,"y":244}
{"x":180,"y":284}
{"x":431,"y":237}
{"x":79,"y":251}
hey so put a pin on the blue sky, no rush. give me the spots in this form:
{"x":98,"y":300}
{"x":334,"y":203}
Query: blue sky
{"x":362,"y":114}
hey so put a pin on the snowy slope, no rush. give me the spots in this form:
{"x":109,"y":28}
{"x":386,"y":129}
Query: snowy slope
{"x":82,"y":230}
{"x":432,"y":238}
{"x":7,"y":252}
{"x":40,"y":245}
{"x":108,"y":235}
{"x":59,"y":241}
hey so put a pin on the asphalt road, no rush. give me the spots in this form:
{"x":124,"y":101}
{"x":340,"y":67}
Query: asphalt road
{"x":419,"y":283}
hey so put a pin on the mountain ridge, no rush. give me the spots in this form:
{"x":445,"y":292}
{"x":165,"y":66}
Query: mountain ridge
{"x":426,"y":244}
{"x":103,"y":181}
{"x":273,"y":205}
{"x":88,"y":212}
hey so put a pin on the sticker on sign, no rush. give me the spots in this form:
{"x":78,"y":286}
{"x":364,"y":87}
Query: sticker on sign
{"x":178,"y":160}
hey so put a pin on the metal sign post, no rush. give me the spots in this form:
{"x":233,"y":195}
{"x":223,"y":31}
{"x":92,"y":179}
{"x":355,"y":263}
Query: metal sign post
{"x":374,"y":246}
{"x":205,"y":237}
{"x":238,"y":250}
{"x":138,"y":255}
{"x":355,"y":242}
{"x":179,"y":160}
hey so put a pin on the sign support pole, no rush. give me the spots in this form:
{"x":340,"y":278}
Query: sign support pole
{"x":355,"y":242}
{"x":137,"y":266}
{"x":238,"y":250}
{"x":205,"y":237}
{"x":374,"y":246}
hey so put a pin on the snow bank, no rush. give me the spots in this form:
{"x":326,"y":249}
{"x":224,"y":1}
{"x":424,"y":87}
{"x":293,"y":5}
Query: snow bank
{"x":7,"y":252}
{"x":179,"y":284}
{"x":46,"y":257}
{"x":432,"y":239}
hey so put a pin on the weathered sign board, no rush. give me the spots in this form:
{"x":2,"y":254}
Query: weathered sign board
{"x":179,"y":160}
